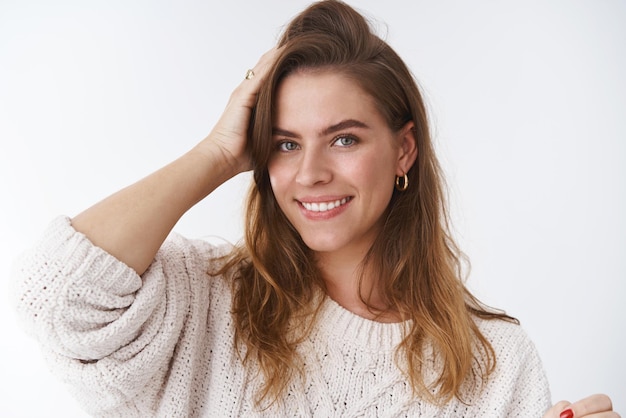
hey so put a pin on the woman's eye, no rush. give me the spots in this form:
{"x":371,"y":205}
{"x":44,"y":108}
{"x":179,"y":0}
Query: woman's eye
{"x":286,"y":146}
{"x":345,"y":141}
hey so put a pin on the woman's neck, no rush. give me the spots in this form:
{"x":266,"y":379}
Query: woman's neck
{"x":353,"y":287}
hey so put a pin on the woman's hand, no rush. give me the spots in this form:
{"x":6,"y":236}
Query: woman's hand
{"x":227,"y":140}
{"x":596,"y":406}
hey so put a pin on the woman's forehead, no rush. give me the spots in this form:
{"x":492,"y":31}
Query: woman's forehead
{"x":322,"y":99}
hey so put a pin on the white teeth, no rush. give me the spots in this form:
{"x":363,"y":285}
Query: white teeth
{"x":324,"y":206}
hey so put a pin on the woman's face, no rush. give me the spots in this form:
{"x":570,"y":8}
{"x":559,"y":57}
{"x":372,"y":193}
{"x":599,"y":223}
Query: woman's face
{"x":334,"y":161}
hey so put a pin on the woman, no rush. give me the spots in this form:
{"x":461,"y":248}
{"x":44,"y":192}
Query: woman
{"x":346,"y":298}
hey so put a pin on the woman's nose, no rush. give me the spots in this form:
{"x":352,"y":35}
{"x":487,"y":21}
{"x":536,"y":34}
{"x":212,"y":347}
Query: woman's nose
{"x":314,"y":168}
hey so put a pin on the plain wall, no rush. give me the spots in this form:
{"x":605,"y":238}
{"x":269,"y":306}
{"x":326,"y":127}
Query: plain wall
{"x":528,"y":103}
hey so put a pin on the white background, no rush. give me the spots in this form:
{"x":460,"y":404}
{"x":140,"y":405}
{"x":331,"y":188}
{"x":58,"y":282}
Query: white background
{"x":529,"y":116}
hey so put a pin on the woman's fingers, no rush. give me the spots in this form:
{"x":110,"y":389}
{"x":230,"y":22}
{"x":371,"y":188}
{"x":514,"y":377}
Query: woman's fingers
{"x":253,"y":79}
{"x":228,"y":137}
{"x":598,"y":405}
{"x":595,"y":406}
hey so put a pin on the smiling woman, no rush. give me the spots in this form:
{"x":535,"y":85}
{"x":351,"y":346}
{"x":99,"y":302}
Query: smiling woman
{"x":346,"y":297}
{"x":341,"y":150}
{"x":385,"y":254}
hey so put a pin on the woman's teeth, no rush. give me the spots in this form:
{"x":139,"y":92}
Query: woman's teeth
{"x":324,"y":206}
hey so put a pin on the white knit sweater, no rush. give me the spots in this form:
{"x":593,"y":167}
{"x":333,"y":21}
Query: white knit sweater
{"x":162,"y":344}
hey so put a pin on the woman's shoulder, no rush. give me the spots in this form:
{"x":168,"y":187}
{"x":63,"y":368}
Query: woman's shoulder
{"x":519,"y":377}
{"x":516,"y":353}
{"x":200,"y":260}
{"x":207,"y":250}
{"x":497,"y":327}
{"x":505,"y":336}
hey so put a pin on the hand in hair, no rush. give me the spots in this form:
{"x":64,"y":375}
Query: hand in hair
{"x":596,"y":406}
{"x":227,"y":140}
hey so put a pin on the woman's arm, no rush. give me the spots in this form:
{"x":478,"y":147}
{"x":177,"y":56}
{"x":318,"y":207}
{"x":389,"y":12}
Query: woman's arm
{"x":133,"y":223}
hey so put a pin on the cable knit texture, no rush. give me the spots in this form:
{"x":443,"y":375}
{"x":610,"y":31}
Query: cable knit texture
{"x":162,"y":344}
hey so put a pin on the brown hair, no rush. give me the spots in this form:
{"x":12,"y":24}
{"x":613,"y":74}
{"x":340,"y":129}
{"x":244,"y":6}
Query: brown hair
{"x":418,"y":262}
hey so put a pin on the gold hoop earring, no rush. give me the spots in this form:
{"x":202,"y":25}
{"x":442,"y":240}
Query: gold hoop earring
{"x":402,"y":183}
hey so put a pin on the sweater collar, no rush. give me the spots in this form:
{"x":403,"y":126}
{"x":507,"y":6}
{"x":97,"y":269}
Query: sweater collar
{"x":348,"y":328}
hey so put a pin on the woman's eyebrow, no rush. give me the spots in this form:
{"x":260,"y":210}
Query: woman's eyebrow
{"x":344,"y":124}
{"x":284,"y":132}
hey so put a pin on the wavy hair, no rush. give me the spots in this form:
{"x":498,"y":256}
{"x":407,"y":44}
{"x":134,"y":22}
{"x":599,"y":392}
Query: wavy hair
{"x":277,"y":282}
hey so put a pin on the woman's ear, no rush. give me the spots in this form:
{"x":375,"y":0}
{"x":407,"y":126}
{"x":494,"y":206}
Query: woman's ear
{"x":407,"y":152}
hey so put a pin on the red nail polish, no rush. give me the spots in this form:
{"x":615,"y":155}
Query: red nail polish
{"x":568,"y":413}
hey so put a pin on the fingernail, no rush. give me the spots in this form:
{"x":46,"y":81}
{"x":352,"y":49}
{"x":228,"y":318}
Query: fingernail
{"x":568,"y":413}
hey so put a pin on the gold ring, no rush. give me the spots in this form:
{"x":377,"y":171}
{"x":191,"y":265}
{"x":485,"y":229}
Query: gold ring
{"x":249,"y":74}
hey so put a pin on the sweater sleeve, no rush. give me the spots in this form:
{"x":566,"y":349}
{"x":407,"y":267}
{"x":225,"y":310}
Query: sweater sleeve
{"x":107,"y":332}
